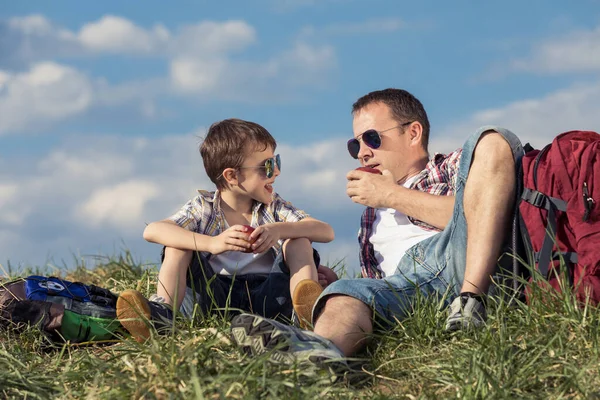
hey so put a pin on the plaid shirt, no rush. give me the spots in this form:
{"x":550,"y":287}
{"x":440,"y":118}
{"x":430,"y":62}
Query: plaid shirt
{"x":203,"y":215}
{"x":439,"y":177}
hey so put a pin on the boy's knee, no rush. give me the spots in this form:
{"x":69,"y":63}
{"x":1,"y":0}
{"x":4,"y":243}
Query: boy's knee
{"x":296,"y":246}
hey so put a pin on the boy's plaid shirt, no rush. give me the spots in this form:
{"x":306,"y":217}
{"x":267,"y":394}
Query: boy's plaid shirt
{"x":203,"y":215}
{"x":439,"y":177}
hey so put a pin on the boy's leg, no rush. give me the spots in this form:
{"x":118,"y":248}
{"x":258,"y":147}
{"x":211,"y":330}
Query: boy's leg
{"x":138,"y":315}
{"x":172,"y":275}
{"x":299,"y":257}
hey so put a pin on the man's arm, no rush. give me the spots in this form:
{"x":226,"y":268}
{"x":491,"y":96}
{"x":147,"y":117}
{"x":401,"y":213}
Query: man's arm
{"x":382,"y":191}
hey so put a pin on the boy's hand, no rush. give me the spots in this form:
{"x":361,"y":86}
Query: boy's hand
{"x":326,"y":276}
{"x":266,"y":237}
{"x":235,"y":238}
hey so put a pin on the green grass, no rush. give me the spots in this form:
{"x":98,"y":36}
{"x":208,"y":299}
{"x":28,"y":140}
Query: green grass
{"x":549,"y":349}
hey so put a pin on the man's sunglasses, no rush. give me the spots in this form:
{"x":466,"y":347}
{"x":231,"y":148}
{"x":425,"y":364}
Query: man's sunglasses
{"x":371,"y":138}
{"x":269,"y":165}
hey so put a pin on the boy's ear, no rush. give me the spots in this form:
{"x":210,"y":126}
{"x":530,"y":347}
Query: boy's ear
{"x":230,"y":176}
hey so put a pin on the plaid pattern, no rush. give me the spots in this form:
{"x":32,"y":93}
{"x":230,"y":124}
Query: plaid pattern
{"x":203,"y":215}
{"x":439,"y":177}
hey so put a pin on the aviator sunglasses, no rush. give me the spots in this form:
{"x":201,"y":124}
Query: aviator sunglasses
{"x":269,"y":165}
{"x":371,"y":138}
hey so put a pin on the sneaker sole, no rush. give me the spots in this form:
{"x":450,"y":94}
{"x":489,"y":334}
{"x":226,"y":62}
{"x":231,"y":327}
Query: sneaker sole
{"x":133,"y":313}
{"x":256,"y":337}
{"x":304,"y":298}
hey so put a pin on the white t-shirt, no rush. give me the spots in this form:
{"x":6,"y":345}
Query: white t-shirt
{"x":393,"y":234}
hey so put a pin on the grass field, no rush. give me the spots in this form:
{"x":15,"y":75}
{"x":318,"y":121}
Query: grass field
{"x":549,"y":349}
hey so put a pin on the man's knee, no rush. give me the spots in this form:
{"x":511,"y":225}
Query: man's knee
{"x":339,"y":304}
{"x":492,"y":148}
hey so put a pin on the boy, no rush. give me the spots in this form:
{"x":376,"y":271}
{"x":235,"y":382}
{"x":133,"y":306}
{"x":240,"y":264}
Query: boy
{"x":241,"y":246}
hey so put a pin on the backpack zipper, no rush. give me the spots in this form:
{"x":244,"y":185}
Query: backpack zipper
{"x":588,"y":202}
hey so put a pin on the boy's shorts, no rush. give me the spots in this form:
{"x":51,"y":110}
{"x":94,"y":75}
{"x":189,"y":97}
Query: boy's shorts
{"x":267,"y":295}
{"x":433,"y":267}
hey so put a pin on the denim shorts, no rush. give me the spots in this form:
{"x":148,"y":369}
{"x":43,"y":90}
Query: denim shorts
{"x":265,"y":294}
{"x":433,"y":267}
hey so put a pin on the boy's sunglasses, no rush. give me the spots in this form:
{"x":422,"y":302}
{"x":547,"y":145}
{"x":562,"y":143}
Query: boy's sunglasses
{"x":269,"y":165}
{"x":371,"y":138}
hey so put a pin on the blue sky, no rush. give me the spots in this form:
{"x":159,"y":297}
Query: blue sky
{"x":102,"y":104}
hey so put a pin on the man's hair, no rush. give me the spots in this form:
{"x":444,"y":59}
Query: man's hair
{"x":228,"y":143}
{"x":404,"y":107}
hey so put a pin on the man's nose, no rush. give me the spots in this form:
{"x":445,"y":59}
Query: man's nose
{"x":364,"y":151}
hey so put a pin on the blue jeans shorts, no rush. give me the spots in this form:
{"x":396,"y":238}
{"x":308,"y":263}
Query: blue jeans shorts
{"x":433,"y":267}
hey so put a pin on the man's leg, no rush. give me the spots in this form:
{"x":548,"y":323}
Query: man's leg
{"x":346,"y":321}
{"x":488,"y":201}
{"x":485,"y":198}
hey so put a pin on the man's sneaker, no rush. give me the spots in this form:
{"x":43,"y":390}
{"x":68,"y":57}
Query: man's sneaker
{"x":138,"y":315}
{"x":466,"y":312}
{"x":303,"y":299}
{"x":289,"y":345}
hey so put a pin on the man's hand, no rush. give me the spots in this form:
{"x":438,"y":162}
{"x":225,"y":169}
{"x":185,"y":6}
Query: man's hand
{"x":235,"y":238}
{"x":370,"y":190}
{"x":326,"y":276}
{"x":266,"y":237}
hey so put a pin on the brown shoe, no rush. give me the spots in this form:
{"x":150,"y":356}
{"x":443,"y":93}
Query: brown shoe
{"x":139,"y":315}
{"x":304,"y":298}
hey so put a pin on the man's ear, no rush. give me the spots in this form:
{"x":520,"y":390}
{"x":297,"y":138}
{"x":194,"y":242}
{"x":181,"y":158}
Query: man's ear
{"x":230,"y":176}
{"x":415,"y":132}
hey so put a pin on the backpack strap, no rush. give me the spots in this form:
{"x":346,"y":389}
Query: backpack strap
{"x":552,"y":204}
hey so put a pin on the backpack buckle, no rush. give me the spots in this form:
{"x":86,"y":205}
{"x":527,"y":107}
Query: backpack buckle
{"x":535,"y":198}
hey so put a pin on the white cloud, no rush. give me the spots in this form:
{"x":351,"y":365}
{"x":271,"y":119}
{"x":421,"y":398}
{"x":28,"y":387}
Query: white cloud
{"x":536,"y":121}
{"x":46,"y":93}
{"x":119,"y":205}
{"x":222,"y":78}
{"x":201,"y":59}
{"x":577,"y":51}
{"x":50,"y":92}
{"x":116,"y":34}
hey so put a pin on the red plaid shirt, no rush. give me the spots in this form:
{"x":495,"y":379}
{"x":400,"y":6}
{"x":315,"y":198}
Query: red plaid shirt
{"x":439,"y":177}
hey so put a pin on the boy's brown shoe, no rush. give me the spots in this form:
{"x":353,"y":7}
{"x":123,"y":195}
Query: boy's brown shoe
{"x":303,"y":299}
{"x":138,"y":315}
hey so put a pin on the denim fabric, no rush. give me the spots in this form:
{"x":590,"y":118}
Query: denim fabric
{"x":433,"y":267}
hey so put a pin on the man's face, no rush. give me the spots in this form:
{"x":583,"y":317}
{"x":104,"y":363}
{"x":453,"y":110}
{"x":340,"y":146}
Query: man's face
{"x":395,"y":153}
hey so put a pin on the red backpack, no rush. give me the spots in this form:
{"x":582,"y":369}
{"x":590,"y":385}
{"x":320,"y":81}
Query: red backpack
{"x":559,"y":219}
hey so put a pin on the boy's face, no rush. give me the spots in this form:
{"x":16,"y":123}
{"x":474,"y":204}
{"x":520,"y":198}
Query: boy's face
{"x":252,"y":177}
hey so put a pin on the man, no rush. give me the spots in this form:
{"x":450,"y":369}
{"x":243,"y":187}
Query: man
{"x":432,"y":228}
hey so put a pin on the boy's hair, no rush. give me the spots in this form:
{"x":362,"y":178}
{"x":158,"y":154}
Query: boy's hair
{"x":404,"y":107}
{"x":227,"y":144}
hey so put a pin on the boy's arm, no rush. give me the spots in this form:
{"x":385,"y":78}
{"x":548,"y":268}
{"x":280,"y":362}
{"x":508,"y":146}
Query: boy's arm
{"x":168,"y":233}
{"x":267,"y":235}
{"x":310,"y":228}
